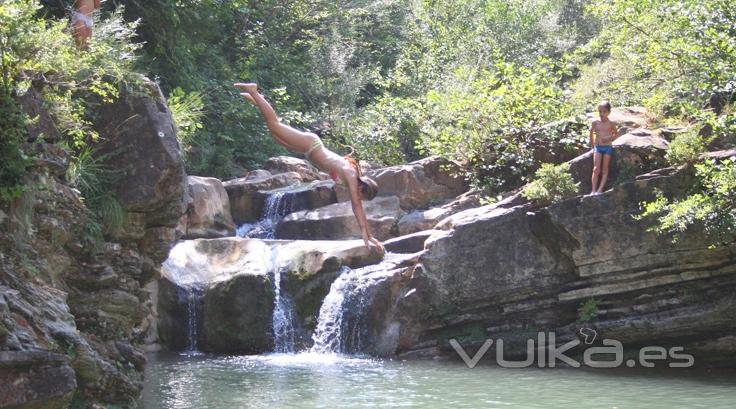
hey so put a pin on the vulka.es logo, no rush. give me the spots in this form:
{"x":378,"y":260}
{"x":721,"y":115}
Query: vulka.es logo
{"x":545,"y":352}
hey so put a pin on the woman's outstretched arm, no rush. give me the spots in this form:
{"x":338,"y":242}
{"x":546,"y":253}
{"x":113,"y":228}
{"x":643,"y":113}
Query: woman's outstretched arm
{"x":359,"y":212}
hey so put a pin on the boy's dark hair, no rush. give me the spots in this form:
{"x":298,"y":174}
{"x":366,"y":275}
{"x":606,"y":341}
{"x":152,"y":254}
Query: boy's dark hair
{"x":605,"y":104}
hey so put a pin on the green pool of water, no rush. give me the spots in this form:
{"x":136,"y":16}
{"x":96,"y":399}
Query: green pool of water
{"x":176,"y":381}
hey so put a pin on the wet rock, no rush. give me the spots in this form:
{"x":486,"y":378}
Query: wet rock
{"x":248,"y":196}
{"x":175,"y":304}
{"x":226,"y":269}
{"x":208,"y":214}
{"x":237,"y":315}
{"x":337,"y":221}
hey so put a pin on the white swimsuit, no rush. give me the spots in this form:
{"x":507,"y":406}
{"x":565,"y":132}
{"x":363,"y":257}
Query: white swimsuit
{"x":78,"y":17}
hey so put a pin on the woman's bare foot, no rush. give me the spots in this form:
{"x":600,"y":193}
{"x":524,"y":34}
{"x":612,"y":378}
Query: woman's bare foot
{"x":249,"y":87}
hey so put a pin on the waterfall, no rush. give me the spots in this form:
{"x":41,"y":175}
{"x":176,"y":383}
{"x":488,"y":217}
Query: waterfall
{"x":327,"y":336}
{"x":194,"y":295}
{"x":283,"y":318}
{"x":343,"y":325}
{"x":278,"y":204}
{"x":284,"y":331}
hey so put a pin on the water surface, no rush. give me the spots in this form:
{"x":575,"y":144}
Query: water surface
{"x":175,"y":381}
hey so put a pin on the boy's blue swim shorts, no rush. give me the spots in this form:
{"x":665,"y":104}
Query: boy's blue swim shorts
{"x":604,"y":149}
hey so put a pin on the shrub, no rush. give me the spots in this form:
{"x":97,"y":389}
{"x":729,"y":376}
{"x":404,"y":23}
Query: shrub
{"x":551,"y":184}
{"x":686,"y":148}
{"x":187,"y":110}
{"x":13,"y":162}
{"x":588,"y":311}
{"x":711,"y":203}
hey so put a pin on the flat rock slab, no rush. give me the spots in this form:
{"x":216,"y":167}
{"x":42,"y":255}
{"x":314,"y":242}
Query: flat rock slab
{"x":410,"y":243}
{"x":337,"y":221}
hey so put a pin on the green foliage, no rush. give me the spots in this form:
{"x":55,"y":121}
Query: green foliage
{"x":676,"y":50}
{"x":39,"y":52}
{"x":551,"y":184}
{"x":384,"y":132}
{"x":711,"y":204}
{"x":491,"y":121}
{"x":588,"y":311}
{"x":686,"y":148}
{"x":187,"y":111}
{"x":13,"y":161}
{"x":94,"y":180}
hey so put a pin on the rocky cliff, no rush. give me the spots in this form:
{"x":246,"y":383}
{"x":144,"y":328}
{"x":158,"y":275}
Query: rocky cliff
{"x":74,"y":315}
{"x":503,"y":271}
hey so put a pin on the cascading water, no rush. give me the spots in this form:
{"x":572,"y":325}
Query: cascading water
{"x":194,"y":295}
{"x":328,"y":334}
{"x":278,"y":204}
{"x":342,"y":326}
{"x":284,"y":330}
{"x":283,"y":318}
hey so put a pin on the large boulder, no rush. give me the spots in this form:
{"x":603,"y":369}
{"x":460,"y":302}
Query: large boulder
{"x":237,"y":315}
{"x":208,"y":214}
{"x":419,"y":184}
{"x":337,"y":221}
{"x":284,"y":164}
{"x":139,"y":142}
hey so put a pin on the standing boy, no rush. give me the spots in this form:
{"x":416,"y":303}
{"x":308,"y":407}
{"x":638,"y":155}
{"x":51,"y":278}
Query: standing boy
{"x":602,"y":134}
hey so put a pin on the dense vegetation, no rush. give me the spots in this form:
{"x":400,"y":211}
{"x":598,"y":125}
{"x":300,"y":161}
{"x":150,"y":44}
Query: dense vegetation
{"x":473,"y":81}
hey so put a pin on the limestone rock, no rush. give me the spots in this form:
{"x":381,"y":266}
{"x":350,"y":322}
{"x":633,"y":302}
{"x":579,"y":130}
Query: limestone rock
{"x":504,"y":272}
{"x":208,"y":215}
